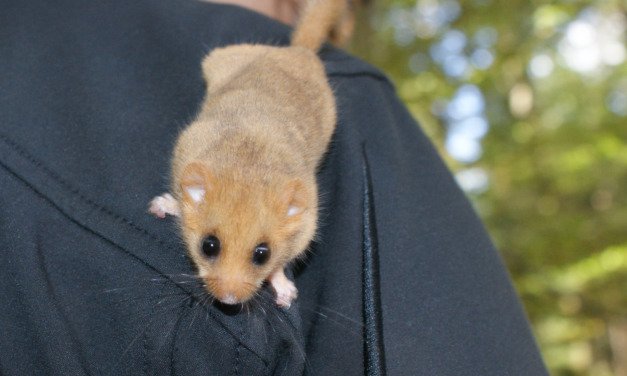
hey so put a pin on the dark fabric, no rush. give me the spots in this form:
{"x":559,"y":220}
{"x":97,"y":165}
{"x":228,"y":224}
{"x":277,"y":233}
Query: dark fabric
{"x":402,"y":279}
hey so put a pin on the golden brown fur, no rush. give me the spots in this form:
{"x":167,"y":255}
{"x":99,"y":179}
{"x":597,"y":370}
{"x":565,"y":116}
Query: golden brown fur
{"x":244,"y":170}
{"x":322,"y":19}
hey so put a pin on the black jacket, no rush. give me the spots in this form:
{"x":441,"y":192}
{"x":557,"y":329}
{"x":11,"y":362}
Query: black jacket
{"x":402,"y":279}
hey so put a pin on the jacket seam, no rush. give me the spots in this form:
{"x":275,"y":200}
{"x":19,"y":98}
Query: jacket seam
{"x":374,"y":349}
{"x":374,"y":76}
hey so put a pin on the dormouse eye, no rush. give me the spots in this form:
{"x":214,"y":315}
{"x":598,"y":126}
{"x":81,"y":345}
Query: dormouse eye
{"x":261,"y":254}
{"x":211,"y":246}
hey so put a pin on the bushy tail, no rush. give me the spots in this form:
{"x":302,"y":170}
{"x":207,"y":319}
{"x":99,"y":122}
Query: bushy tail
{"x":321,"y":19}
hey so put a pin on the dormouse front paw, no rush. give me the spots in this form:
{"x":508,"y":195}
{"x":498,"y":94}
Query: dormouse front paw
{"x":164,"y":204}
{"x":285,"y":289}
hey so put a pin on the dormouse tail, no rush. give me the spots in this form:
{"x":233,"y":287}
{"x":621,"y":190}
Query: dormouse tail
{"x":320,"y":19}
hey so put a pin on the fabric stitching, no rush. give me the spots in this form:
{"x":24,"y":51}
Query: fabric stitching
{"x":237,"y":360}
{"x":18,"y":149}
{"x":237,"y":356}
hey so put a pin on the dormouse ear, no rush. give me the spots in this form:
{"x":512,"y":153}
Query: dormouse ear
{"x":195,"y":182}
{"x":296,"y":198}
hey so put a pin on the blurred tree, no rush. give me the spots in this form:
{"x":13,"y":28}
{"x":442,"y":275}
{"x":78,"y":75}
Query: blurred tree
{"x":527,"y":101}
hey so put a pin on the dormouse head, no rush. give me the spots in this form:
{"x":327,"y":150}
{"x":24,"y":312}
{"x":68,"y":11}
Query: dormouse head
{"x":241,"y":227}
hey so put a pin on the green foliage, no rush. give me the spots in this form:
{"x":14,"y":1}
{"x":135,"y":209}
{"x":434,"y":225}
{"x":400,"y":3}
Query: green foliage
{"x":554,"y":158}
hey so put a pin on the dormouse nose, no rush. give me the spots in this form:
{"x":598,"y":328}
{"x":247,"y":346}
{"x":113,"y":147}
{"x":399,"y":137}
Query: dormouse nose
{"x":230,"y":290}
{"x":229,"y":299}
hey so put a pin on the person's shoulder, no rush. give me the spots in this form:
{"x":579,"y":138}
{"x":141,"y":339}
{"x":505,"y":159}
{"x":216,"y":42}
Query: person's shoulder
{"x":258,"y":29}
{"x":339,"y":63}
